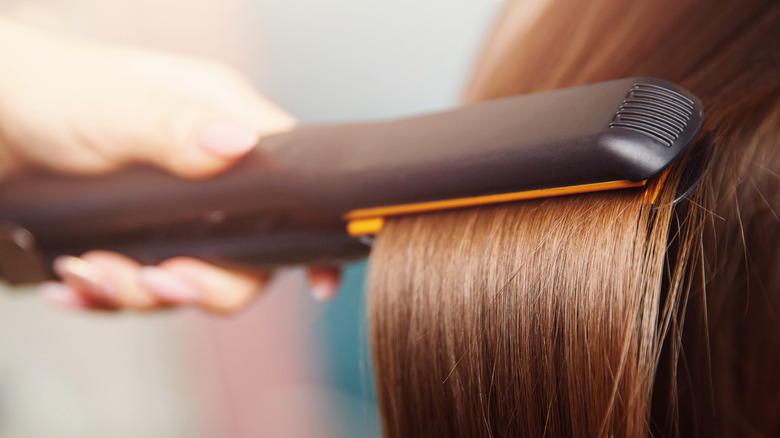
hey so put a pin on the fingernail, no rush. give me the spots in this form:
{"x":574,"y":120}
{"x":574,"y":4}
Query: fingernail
{"x":84,"y":275}
{"x":227,"y":138}
{"x":323,"y":291}
{"x":61,"y":295}
{"x":167,"y":286}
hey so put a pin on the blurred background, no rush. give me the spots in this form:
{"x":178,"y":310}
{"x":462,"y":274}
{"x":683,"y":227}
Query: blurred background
{"x":287,"y":366}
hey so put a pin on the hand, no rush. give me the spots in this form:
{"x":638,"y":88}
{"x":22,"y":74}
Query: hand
{"x":80,"y":107}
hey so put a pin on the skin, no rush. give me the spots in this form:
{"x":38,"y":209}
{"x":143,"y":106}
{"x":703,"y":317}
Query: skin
{"x":75,"y":106}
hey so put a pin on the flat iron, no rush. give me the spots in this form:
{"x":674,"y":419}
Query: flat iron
{"x":314,"y":194}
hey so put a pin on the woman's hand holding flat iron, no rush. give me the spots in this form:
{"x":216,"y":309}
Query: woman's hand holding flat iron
{"x":73,"y":106}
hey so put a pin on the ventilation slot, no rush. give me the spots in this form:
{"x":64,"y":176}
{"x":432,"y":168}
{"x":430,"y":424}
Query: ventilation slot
{"x":654,"y":111}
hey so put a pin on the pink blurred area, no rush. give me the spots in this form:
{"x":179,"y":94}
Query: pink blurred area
{"x":259,"y":369}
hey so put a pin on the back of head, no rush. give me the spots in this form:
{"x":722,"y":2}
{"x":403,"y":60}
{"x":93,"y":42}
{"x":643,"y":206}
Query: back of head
{"x":549,"y":317}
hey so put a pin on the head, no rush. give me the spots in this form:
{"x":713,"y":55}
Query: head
{"x":601,"y":314}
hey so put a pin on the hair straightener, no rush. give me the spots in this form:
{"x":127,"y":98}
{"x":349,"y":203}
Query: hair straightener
{"x":312,"y":195}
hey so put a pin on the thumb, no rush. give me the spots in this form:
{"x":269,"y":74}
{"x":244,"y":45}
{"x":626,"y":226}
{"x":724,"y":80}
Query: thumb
{"x":193,"y":118}
{"x":206,"y":147}
{"x":198,"y":144}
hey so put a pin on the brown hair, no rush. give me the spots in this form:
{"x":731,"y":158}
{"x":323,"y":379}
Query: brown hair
{"x":548,"y":317}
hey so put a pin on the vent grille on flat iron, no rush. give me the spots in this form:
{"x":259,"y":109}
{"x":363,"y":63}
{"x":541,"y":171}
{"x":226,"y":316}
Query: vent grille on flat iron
{"x":655,"y":111}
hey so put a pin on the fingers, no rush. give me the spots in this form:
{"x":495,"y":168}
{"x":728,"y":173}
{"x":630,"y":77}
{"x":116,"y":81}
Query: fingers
{"x":65,"y":296}
{"x":102,"y":280}
{"x":218,"y":290}
{"x":202,"y":148}
{"x":324,"y":282}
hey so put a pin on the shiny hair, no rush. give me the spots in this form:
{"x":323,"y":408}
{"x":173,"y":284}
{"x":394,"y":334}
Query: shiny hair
{"x":564,"y":316}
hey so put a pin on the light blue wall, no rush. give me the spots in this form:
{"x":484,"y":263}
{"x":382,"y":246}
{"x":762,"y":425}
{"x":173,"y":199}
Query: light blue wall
{"x":335,"y":60}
